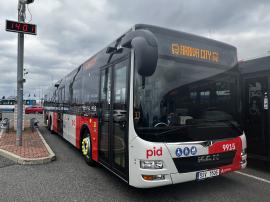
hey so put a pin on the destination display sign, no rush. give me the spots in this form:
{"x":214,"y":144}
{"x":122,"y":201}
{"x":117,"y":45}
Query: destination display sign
{"x":12,"y":26}
{"x":179,"y":49}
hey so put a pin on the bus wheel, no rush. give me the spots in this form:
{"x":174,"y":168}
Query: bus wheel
{"x":86,"y":148}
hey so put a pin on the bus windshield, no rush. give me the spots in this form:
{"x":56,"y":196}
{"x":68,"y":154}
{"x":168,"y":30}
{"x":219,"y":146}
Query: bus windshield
{"x":186,"y":102}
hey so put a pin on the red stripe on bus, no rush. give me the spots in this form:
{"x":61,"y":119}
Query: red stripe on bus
{"x":226,"y":146}
{"x":78,"y":132}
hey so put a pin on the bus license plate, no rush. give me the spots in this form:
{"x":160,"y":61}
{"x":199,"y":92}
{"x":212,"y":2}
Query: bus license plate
{"x":206,"y":174}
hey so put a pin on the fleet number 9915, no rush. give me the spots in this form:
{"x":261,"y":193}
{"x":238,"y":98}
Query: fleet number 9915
{"x":228,"y":147}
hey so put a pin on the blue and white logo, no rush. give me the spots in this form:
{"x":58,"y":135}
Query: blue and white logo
{"x":186,"y":151}
{"x":193,"y":150}
{"x":178,"y":152}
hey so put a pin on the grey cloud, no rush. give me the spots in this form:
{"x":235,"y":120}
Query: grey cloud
{"x":69,"y":31}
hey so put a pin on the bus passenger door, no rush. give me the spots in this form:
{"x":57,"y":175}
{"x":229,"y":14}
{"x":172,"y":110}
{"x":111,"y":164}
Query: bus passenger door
{"x":120,"y":118}
{"x":113,"y":137}
{"x":104,"y":119}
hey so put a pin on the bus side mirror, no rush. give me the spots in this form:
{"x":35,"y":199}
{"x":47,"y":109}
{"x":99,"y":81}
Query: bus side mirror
{"x":145,"y":48}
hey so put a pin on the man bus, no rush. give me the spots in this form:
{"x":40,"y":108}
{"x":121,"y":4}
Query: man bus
{"x":155,"y":107}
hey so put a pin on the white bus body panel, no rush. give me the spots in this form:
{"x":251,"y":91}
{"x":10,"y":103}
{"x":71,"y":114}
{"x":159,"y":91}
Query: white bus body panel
{"x":138,"y":151}
{"x":69,"y":128}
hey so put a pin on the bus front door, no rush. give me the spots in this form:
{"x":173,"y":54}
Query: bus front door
{"x":104,"y":119}
{"x":113,"y":142}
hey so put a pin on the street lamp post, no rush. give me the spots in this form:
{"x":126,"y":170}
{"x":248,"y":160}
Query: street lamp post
{"x":20,"y":80}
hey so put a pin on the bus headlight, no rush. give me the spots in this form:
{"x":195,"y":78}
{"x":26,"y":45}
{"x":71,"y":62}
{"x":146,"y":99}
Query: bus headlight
{"x":151,"y":164}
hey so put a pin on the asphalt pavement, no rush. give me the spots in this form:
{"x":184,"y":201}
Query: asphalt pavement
{"x":70,"y":179}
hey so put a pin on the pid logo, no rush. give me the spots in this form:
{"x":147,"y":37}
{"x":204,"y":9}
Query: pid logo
{"x":153,"y":152}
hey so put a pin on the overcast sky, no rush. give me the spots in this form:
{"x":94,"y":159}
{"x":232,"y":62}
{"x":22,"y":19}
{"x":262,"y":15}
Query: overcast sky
{"x":71,"y":31}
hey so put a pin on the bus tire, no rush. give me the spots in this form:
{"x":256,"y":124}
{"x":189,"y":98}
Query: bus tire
{"x":86,"y":148}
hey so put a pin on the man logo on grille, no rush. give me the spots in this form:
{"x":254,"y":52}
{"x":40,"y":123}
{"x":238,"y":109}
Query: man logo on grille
{"x":208,"y":158}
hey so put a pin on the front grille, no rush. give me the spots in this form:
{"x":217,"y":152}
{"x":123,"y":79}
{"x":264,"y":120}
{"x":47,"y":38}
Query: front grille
{"x":194,"y":163}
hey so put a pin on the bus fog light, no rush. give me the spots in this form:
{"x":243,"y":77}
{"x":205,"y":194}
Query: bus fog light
{"x":151,"y":164}
{"x":153,"y":177}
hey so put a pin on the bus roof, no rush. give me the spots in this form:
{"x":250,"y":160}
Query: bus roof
{"x":101,"y":57}
{"x":183,"y":34}
{"x":187,"y":47}
{"x":255,"y":65}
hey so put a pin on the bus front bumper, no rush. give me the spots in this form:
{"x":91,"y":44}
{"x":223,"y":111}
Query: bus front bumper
{"x":176,"y":178}
{"x":156,"y":179}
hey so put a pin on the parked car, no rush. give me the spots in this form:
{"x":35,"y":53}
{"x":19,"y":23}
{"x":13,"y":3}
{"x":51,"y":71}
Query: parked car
{"x":34,"y":110}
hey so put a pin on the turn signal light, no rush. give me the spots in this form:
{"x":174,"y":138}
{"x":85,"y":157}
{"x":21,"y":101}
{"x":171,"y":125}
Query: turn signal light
{"x":153,"y":177}
{"x":148,"y":177}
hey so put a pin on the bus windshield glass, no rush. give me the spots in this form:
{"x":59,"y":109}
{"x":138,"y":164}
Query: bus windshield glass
{"x":186,"y":102}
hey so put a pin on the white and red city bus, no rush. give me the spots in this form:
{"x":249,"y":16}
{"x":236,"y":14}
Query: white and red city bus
{"x":155,"y":107}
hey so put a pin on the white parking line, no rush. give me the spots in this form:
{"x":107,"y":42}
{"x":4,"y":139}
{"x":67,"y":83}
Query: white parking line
{"x":254,"y":177}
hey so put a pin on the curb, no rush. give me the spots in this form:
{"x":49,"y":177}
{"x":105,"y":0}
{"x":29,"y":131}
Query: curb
{"x":30,"y":161}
